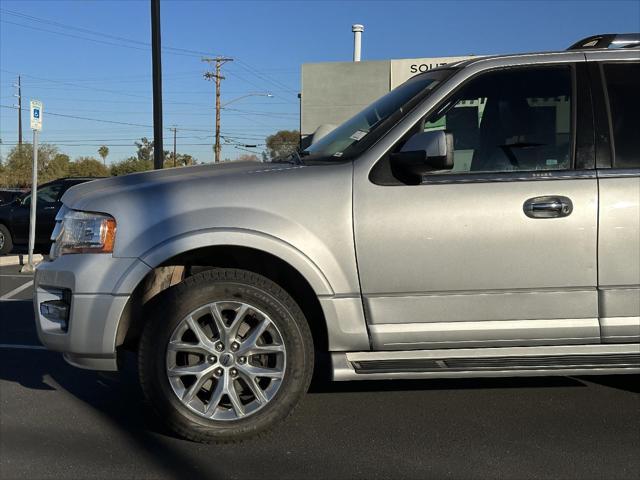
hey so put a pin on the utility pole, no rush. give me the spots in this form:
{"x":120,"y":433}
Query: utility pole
{"x":156,"y":54}
{"x":174,"y":145}
{"x":219,"y":61}
{"x":19,"y":95}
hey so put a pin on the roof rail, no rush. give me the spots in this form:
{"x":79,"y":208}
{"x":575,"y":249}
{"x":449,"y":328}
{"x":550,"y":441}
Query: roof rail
{"x":608,"y":40}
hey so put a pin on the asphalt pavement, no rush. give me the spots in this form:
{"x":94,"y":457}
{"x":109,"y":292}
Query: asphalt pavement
{"x":57,"y":421}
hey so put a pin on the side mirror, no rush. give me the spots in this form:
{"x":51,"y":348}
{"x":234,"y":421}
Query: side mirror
{"x":422,"y":153}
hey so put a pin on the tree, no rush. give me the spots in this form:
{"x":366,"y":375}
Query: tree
{"x":282,"y":143}
{"x":87,"y":167}
{"x":145,"y":149}
{"x":248,"y":157}
{"x":131,"y":165}
{"x":20,"y":161}
{"x":57,"y":168}
{"x":182,"y":160}
{"x":103,"y":151}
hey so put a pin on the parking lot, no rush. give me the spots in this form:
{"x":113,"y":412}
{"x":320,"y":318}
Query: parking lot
{"x":61,"y":422}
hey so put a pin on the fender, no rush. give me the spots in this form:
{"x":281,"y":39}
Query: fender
{"x":344,"y":315}
{"x":239,"y":237}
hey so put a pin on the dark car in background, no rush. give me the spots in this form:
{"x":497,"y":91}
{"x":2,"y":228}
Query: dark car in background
{"x":14,"y":216}
{"x":8,"y":195}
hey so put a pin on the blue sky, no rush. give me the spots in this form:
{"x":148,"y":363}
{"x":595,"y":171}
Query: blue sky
{"x":89,"y":71}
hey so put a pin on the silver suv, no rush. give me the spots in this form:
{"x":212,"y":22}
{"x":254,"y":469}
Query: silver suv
{"x":482,"y":219}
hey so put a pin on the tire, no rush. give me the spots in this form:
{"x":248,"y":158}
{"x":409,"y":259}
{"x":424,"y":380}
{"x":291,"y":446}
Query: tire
{"x":6,"y":242}
{"x":242,"y":298}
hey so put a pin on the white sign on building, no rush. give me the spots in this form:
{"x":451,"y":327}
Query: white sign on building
{"x":402,"y":70}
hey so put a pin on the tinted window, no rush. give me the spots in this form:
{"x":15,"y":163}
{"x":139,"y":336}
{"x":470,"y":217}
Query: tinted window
{"x":510,"y":120}
{"x":47,"y":194}
{"x":623,"y":90}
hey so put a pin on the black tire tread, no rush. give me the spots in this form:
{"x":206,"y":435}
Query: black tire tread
{"x":192,"y":431}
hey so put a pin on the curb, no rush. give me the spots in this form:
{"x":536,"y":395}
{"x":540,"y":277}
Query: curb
{"x":7,"y":260}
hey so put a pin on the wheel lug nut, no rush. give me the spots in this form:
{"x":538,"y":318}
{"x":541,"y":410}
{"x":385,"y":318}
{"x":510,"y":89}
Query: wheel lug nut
{"x":235,"y":346}
{"x":211,"y":359}
{"x":233,"y":372}
{"x":219,"y":347}
{"x":242,"y":360}
{"x":218,"y":372}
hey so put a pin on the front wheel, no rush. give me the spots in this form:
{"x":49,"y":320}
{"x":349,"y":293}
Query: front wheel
{"x":6,"y":243}
{"x":225,"y":355}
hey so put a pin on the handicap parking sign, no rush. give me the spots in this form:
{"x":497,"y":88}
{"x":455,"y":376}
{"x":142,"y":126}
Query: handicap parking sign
{"x":36,"y":114}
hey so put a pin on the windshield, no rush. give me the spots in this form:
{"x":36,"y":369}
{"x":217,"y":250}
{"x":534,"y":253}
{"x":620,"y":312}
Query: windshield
{"x":343,"y":141}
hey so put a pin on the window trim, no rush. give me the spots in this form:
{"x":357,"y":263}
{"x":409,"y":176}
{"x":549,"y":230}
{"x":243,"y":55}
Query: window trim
{"x":582,"y":97}
{"x":606,"y":131}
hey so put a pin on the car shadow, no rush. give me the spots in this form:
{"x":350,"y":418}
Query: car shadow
{"x":116,"y":397}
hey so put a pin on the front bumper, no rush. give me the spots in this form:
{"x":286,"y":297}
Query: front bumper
{"x":98,"y":287}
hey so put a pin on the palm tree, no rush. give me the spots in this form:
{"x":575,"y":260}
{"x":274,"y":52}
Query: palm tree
{"x":103,"y":151}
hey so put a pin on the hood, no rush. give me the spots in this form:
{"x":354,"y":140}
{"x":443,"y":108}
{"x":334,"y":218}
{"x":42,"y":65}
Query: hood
{"x":106,"y":190}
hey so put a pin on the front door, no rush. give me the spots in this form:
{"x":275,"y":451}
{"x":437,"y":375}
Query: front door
{"x":501,"y":250}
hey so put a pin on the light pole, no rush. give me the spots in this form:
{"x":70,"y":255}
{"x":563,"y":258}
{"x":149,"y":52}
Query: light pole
{"x":258,"y":94}
{"x":156,"y":66}
{"x":224,"y":105}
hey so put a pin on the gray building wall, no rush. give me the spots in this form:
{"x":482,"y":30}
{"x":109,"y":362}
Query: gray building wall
{"x":333,"y":92}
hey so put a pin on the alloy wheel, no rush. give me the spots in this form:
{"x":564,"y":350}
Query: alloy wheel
{"x":225,"y":360}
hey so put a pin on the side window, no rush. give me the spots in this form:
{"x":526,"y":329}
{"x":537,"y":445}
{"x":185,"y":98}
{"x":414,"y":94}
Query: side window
{"x":45,"y":195}
{"x":510,"y":120}
{"x":623,"y":91}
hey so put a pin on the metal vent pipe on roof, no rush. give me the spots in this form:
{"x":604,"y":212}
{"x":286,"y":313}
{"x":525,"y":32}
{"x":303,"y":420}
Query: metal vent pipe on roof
{"x":357,"y":30}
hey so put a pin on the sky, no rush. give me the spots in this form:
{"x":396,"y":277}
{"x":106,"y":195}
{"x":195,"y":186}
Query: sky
{"x":92,"y":59}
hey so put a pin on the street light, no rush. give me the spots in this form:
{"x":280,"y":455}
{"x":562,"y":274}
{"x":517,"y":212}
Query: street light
{"x":247,"y":95}
{"x":224,"y":105}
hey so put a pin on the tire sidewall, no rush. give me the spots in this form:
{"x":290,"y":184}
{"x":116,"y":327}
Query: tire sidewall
{"x":8,"y":244}
{"x":179,"y":301}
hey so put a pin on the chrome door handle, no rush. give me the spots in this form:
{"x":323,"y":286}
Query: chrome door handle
{"x":555,"y":206}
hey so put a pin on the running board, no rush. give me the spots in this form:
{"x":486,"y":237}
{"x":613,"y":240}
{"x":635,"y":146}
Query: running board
{"x":488,"y":362}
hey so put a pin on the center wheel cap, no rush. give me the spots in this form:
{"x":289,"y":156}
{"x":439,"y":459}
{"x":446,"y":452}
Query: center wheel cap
{"x":226,"y":359}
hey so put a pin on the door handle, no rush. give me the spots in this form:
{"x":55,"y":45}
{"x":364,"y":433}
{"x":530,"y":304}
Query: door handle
{"x":554,"y":206}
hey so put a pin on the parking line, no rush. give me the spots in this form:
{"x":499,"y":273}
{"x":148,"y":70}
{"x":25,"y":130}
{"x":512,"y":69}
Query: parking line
{"x":16,"y":291}
{"x":22,"y":347}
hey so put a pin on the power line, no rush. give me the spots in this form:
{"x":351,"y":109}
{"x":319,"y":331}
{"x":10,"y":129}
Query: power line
{"x":147,"y":45}
{"x":79,"y":86}
{"x":265,"y":77}
{"x":174,"y":50}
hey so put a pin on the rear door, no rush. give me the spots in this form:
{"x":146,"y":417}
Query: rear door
{"x":616,"y":80}
{"x":457,"y":261}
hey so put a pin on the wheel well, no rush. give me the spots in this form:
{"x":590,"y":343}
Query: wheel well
{"x":189,"y":263}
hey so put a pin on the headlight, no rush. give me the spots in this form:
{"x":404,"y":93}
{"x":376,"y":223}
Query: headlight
{"x":84,"y":232}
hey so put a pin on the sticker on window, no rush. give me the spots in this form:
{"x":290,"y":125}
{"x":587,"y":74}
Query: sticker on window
{"x":551,"y":162}
{"x":358,"y":135}
{"x":337,"y":154}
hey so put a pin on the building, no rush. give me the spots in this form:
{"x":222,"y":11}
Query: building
{"x":333,"y":92}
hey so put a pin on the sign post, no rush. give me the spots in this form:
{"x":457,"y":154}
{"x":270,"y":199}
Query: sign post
{"x":36,"y":126}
